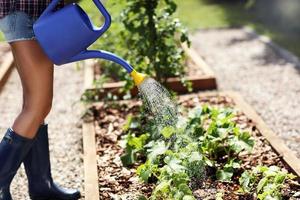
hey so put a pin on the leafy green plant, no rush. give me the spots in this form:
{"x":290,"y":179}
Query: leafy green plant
{"x":223,"y":141}
{"x":134,"y":145}
{"x":150,"y":38}
{"x":265,"y":182}
{"x":207,"y":137}
{"x":154,"y":37}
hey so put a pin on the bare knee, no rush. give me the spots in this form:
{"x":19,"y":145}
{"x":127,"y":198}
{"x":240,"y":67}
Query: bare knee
{"x":32,"y":115}
{"x":39,"y":109}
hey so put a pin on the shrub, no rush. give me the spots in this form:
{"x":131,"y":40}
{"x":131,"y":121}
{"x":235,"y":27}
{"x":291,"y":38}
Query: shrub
{"x":150,"y":39}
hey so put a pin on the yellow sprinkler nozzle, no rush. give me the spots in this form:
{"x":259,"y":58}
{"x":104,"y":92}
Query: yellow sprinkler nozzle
{"x":138,"y":78}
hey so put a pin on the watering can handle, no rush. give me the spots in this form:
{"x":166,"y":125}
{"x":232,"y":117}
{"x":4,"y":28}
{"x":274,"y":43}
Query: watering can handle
{"x":99,"y":5}
{"x":106,"y":15}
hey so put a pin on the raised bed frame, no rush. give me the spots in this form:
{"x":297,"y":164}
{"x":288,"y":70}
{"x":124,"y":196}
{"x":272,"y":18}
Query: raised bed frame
{"x":90,"y":156}
{"x":6,"y":68}
{"x":206,"y":81}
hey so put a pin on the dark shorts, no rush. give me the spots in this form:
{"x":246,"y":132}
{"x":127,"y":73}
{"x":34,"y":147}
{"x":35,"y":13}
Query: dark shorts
{"x":17,"y":26}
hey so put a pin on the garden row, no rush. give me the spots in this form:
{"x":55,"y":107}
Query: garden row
{"x":220,"y":149}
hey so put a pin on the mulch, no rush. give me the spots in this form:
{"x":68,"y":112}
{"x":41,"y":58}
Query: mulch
{"x":118,"y":182}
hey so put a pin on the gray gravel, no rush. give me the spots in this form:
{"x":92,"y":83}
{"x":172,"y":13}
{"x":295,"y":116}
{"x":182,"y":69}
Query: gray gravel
{"x":268,"y":81}
{"x":64,"y":127}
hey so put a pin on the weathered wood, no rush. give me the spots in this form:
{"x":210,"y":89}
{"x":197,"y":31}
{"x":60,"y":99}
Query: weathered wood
{"x":88,"y":74}
{"x":198,"y":60}
{"x":206,"y":81}
{"x":89,"y":145}
{"x":90,"y":162}
{"x":6,"y":68}
{"x":203,"y":82}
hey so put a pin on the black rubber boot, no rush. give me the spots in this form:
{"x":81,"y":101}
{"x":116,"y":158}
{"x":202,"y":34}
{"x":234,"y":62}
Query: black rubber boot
{"x":38,"y":170}
{"x":13,"y":149}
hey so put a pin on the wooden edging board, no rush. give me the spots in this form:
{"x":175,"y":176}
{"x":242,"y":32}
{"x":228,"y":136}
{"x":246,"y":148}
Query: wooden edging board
{"x":207,"y":81}
{"x":91,"y":185}
{"x":6,"y":68}
{"x":287,"y":155}
{"x":90,"y":158}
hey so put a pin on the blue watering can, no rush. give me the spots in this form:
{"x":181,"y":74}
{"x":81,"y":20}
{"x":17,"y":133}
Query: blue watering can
{"x":66,"y":34}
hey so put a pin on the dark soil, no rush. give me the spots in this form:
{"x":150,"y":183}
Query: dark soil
{"x":117,"y":181}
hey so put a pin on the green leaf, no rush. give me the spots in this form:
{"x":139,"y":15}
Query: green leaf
{"x":195,"y":156}
{"x":245,"y":181}
{"x":168,"y":131}
{"x":291,"y":176}
{"x":208,"y":162}
{"x":232,"y":163}
{"x":159,"y":148}
{"x":261,"y":184}
{"x":280,"y":178}
{"x":129,"y":158}
{"x":224,"y":175}
{"x":243,"y":142}
{"x":185,"y":189}
{"x":126,"y":126}
{"x":142,"y":198}
{"x":162,"y":187}
{"x":145,"y":171}
{"x":138,"y":142}
{"x":174,"y":165}
{"x":195,"y":113}
{"x":271,"y":171}
{"x":248,"y":141}
{"x":260,"y":169}
{"x":188,"y":197}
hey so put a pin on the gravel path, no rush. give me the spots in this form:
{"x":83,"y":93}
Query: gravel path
{"x":64,"y":127}
{"x":4,"y":48}
{"x":265,"y":79}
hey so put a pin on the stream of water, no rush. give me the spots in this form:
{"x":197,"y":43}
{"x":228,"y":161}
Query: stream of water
{"x":159,"y":102}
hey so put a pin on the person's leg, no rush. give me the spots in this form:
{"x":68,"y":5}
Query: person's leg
{"x":36,"y":73}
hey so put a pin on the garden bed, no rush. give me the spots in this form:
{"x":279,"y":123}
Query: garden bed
{"x":199,"y":74}
{"x":103,"y":132}
{"x":6,"y":63}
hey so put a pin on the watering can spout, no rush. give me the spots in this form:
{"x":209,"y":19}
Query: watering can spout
{"x":88,"y":54}
{"x":138,"y":78}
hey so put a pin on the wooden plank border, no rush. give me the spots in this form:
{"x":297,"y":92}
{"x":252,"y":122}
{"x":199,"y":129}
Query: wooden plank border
{"x":6,"y":69}
{"x":90,"y":162}
{"x":91,"y":184}
{"x":206,"y":81}
{"x":287,"y":155}
{"x":198,"y":60}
